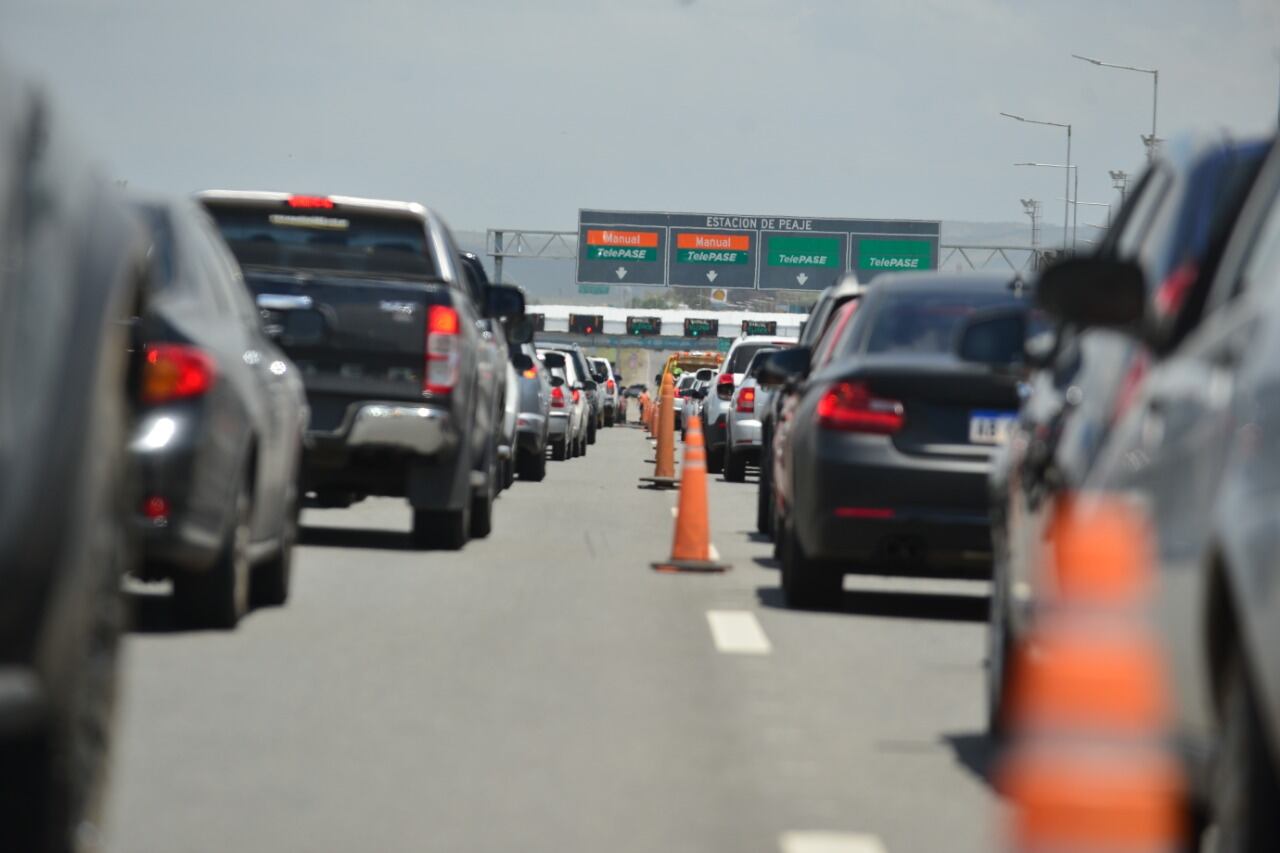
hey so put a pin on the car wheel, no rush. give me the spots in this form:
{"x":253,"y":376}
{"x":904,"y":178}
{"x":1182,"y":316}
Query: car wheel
{"x":269,"y":586}
{"x":508,"y":472}
{"x":591,"y":431}
{"x":805,"y":583}
{"x":999,"y":659}
{"x":532,"y":466}
{"x":560,"y":450}
{"x":482,"y":501}
{"x":219,"y":596}
{"x":441,"y":529}
{"x":715,"y":460}
{"x":735,"y":466}
{"x":764,"y":499}
{"x":1245,"y":787}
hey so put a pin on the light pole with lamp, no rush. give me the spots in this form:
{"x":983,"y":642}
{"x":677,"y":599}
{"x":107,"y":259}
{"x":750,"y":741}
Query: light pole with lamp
{"x":1150,"y":141}
{"x":1067,"y":191}
{"x":1032,"y":208}
{"x":1070,"y":201}
{"x":1120,"y":181}
{"x":1105,"y":204}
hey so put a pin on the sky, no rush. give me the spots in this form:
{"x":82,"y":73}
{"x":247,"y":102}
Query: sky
{"x":516,"y":113}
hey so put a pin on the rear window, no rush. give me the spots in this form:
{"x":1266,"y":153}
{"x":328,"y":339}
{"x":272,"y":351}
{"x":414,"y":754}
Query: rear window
{"x":336,"y":239}
{"x":926,"y":322}
{"x":742,"y":355}
{"x":552,"y":359}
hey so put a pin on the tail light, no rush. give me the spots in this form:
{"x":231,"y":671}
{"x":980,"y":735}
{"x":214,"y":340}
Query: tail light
{"x":531,"y":373}
{"x":443,"y":350}
{"x":1172,"y":292}
{"x":724,"y":386}
{"x":155,"y":508}
{"x":175,"y":372}
{"x":557,"y":398}
{"x":850,"y":407}
{"x":577,"y":395}
{"x":747,"y":400}
{"x":611,"y":386}
{"x":310,"y":202}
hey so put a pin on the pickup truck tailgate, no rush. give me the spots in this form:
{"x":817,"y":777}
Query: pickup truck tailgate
{"x":353,"y":338}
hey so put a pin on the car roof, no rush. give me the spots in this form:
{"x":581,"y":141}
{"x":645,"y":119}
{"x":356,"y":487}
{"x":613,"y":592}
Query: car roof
{"x":933,"y":281}
{"x":272,"y":197}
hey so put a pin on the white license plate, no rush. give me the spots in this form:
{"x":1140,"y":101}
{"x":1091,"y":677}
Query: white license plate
{"x":990,"y":427}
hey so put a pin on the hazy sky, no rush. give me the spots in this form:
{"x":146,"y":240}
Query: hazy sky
{"x":518,"y":112}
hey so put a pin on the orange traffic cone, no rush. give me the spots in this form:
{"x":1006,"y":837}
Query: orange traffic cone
{"x":1089,"y":766}
{"x":691,"y":548}
{"x":664,"y":472}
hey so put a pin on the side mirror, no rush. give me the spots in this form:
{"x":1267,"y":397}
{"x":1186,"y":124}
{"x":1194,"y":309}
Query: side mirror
{"x":1094,"y":292}
{"x":521,"y":331}
{"x":657,"y":379}
{"x":589,"y":385}
{"x":788,"y":365}
{"x":996,"y":338}
{"x":503,"y":302}
{"x":521,"y":362}
{"x":724,"y":386}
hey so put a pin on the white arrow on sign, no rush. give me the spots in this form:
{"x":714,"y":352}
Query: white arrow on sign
{"x":802,"y":278}
{"x":711,"y":276}
{"x":622,"y":272}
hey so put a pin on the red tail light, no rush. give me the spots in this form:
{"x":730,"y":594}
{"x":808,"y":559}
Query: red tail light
{"x":610,"y":385}
{"x":155,"y":508}
{"x":849,"y":406}
{"x":747,"y":400}
{"x":724,"y":386}
{"x":310,"y":202}
{"x":175,"y":372}
{"x":577,"y":395}
{"x":557,"y":398}
{"x":531,"y":373}
{"x":1172,"y":292}
{"x":443,"y":350}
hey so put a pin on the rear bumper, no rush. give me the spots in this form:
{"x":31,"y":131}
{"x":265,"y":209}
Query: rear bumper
{"x":714,"y":433}
{"x":531,"y":432}
{"x":558,"y":425}
{"x":746,"y":434}
{"x":422,"y":430}
{"x":870,"y":507}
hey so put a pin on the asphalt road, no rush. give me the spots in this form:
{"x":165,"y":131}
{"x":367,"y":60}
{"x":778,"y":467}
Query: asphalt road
{"x":544,"y":690}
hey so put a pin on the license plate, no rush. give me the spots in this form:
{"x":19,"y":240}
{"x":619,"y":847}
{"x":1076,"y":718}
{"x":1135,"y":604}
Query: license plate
{"x":990,"y":427}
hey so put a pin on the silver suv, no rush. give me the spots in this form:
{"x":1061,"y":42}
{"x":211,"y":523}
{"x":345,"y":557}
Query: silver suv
{"x":716,"y":407}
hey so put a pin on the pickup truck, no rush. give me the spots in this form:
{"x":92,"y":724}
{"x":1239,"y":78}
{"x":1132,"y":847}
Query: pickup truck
{"x":374,"y":304}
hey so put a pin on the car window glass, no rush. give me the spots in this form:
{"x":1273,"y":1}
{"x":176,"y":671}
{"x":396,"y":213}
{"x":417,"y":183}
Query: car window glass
{"x":837,"y":338}
{"x":925,"y":322}
{"x":1136,"y":225}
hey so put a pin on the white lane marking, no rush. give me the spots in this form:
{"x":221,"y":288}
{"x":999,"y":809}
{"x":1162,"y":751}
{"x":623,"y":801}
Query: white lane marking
{"x":737,"y":632}
{"x":829,"y":842}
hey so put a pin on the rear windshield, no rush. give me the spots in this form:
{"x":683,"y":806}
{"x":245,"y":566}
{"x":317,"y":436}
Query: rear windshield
{"x":742,"y":355}
{"x":926,"y":322}
{"x":552,"y":359}
{"x":353,"y":242}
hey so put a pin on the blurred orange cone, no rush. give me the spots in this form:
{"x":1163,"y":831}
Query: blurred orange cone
{"x":1089,"y":766}
{"x":664,"y":472}
{"x":691,"y":548}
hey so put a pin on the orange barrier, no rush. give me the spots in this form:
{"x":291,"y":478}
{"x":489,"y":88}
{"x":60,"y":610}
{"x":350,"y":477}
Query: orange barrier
{"x":664,"y":471}
{"x":691,"y":546}
{"x":1089,"y":767}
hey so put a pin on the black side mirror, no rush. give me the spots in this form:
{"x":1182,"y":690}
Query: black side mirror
{"x":997,"y":338}
{"x":503,"y":302}
{"x":788,"y":365}
{"x":521,"y":362}
{"x":1094,"y":292}
{"x":521,"y":331}
{"x":588,"y":385}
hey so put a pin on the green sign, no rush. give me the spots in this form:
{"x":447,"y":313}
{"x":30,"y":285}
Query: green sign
{"x":594,"y":289}
{"x":894,"y":255}
{"x":707,"y":256}
{"x":805,"y":252}
{"x":620,"y":253}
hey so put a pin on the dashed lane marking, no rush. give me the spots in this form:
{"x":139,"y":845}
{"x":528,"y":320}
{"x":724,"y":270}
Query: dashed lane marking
{"x":737,"y":632}
{"x":830,"y":842}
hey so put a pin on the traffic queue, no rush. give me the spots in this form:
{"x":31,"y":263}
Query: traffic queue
{"x":249,"y":354}
{"x":1104,"y":430}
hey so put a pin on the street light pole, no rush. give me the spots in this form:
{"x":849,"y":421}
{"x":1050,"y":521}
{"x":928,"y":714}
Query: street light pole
{"x":1152,"y":140}
{"x":1066,"y":207}
{"x":1072,"y":220}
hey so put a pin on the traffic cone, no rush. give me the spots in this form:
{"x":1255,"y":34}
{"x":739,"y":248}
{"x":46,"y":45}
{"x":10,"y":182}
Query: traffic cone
{"x":664,"y":471}
{"x":691,"y":548}
{"x":1089,"y":767}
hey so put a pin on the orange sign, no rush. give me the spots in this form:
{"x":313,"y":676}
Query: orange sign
{"x":608,"y":237}
{"x":714,"y":242}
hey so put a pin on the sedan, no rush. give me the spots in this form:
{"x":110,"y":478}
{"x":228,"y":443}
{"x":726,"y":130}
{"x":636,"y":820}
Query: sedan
{"x":220,"y":433}
{"x":882,"y":466}
{"x":742,"y":420}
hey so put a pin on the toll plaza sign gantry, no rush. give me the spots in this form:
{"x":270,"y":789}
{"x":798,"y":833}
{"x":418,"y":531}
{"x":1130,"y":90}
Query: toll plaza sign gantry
{"x":746,"y":252}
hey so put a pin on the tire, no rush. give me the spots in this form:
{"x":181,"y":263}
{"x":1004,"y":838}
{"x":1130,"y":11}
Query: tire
{"x":509,"y":472}
{"x":805,"y":584}
{"x":532,"y":467}
{"x":764,"y":498}
{"x":608,"y":418}
{"x":441,"y":529}
{"x":735,"y":466}
{"x":591,"y":431}
{"x":560,"y":450}
{"x":219,"y":596}
{"x":715,"y":460}
{"x":482,"y":502}
{"x":1245,"y":788}
{"x":269,"y":586}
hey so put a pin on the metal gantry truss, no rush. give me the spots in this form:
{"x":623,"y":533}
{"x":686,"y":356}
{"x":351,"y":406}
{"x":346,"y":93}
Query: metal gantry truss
{"x":502,"y":243}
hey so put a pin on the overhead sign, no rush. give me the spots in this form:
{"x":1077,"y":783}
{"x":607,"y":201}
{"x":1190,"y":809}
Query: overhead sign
{"x":747,"y":252}
{"x":759,"y":327}
{"x":644,"y":326}
{"x":697,"y":327}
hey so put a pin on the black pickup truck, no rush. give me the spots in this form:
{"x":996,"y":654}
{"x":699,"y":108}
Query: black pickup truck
{"x":371,"y":300}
